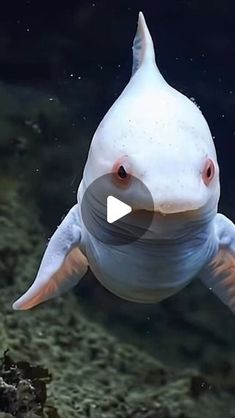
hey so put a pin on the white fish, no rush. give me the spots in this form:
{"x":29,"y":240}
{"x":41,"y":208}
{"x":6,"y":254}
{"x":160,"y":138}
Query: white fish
{"x":161,"y":137}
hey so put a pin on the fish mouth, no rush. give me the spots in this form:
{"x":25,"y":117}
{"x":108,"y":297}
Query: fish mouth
{"x":166,"y":213}
{"x":179,"y":212}
{"x":160,"y":217}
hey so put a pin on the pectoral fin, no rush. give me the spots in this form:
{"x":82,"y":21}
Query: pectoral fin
{"x":62,"y":266}
{"x":219,"y":274}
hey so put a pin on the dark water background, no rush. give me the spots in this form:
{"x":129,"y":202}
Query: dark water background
{"x":62,"y":64}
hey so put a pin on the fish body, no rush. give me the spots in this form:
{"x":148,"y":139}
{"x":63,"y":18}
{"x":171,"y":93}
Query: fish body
{"x":156,"y":265}
{"x":145,"y":272}
{"x":158,"y":135}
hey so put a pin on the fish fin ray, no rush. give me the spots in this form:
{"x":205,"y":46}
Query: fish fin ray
{"x":219,"y":274}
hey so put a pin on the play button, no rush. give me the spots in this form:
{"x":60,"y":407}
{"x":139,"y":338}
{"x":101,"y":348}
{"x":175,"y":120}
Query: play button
{"x":116,"y":209}
{"x":117,"y":215}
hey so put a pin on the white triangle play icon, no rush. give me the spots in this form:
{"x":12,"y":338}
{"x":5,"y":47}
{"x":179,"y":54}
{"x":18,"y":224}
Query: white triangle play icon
{"x":116,"y":209}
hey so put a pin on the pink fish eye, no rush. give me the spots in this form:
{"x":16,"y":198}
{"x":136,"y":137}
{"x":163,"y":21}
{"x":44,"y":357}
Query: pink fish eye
{"x":121,"y":172}
{"x":208,"y":172}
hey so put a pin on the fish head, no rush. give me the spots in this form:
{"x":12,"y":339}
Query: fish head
{"x":158,"y":135}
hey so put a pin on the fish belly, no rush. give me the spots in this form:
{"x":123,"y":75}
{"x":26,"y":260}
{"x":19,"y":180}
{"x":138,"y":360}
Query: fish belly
{"x":146,"y":275}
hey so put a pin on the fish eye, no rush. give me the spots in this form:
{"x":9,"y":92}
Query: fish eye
{"x":208,"y":172}
{"x":122,"y":172}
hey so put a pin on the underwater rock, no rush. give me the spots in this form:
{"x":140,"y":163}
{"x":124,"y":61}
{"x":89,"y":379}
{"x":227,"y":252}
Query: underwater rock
{"x":22,"y":388}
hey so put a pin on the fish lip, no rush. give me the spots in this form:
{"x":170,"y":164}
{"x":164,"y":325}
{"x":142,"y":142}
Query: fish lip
{"x":161,"y":213}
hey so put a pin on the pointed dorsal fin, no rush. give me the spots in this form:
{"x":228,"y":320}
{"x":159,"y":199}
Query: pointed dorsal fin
{"x":143,"y":49}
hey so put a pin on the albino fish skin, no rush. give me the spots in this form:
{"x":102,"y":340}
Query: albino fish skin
{"x":161,"y":137}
